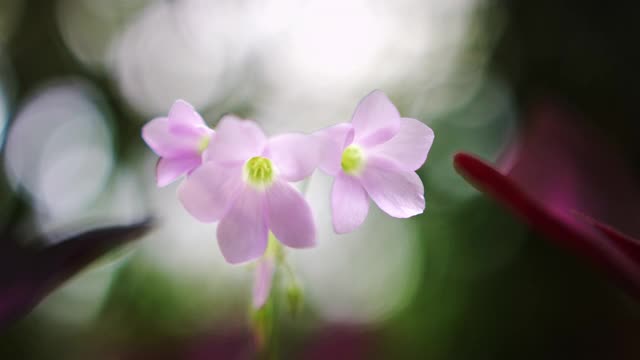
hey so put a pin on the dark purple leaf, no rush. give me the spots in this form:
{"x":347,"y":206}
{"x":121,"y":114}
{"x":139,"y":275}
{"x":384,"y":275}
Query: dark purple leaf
{"x":28,"y":274}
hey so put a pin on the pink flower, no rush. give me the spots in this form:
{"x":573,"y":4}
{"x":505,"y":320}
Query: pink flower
{"x":375,"y":156}
{"x":179,"y":140}
{"x":244,"y":184}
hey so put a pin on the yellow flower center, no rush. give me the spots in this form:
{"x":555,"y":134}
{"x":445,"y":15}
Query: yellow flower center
{"x":259,"y":171}
{"x":204,"y":143}
{"x":352,"y":160}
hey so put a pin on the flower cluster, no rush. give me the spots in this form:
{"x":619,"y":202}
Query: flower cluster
{"x":238,"y":177}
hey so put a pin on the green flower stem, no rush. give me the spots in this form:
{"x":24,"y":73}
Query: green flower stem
{"x":264,"y":319}
{"x":264,"y":326}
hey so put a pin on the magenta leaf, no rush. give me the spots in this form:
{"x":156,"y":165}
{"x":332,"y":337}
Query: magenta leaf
{"x":565,"y":181}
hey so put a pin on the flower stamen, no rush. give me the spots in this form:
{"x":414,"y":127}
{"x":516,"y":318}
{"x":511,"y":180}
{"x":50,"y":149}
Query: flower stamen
{"x":204,"y":143}
{"x":259,"y":171}
{"x":352,"y":160}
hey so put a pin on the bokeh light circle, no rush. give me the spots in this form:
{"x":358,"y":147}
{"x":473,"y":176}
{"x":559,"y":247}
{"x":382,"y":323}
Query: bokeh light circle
{"x":59,"y":148}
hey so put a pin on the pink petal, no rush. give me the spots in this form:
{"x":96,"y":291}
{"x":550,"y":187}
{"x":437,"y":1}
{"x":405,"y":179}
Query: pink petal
{"x":262,"y":281}
{"x":164,"y":142}
{"x":333,"y":140}
{"x":242,"y":232}
{"x":349,"y":203}
{"x":191,"y":134}
{"x":289,"y":216}
{"x":397,"y":192}
{"x":375,"y":120}
{"x":184,"y":121}
{"x":410,"y":146}
{"x":295,"y":155}
{"x":210,"y":190}
{"x":182,"y":112}
{"x":169,"y":169}
{"x":236,"y":140}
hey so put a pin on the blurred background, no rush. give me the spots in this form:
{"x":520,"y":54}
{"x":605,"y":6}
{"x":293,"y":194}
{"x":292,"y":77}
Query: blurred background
{"x":465,"y":280}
